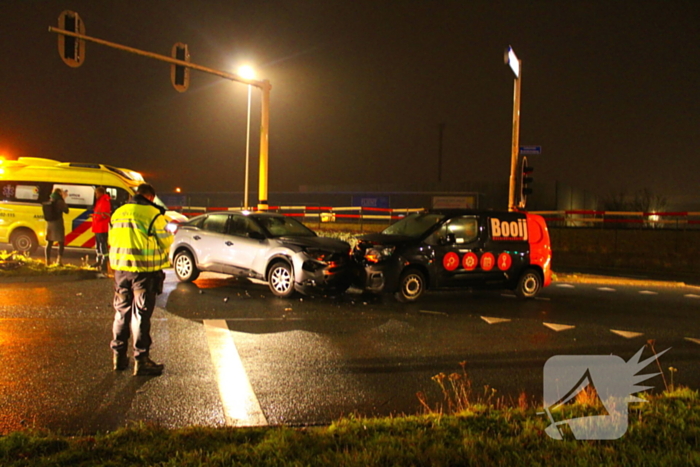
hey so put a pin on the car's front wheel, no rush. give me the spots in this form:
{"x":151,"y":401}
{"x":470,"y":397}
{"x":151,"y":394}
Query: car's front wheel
{"x":529,"y":284}
{"x":281,"y":279}
{"x":411,"y":286}
{"x":185,"y":267}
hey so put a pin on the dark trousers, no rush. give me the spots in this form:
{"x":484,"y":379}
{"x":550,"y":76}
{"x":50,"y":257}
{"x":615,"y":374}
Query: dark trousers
{"x":102,"y":250}
{"x":134,"y":301}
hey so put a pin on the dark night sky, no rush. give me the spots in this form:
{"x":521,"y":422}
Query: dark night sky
{"x":610,"y":90}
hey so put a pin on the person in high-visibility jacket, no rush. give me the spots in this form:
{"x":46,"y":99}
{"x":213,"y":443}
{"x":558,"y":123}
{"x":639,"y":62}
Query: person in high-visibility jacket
{"x":138,"y":253}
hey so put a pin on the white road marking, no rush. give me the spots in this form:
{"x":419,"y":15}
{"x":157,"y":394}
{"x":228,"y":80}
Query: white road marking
{"x":241,"y":407}
{"x":544,"y":299}
{"x":491,"y":320}
{"x":627,"y":334}
{"x":648,"y":292}
{"x":559,"y":327}
{"x":692,"y":339}
{"x":566,"y":286}
{"x":428,"y":312}
{"x":691,"y":295}
{"x":606,"y":289}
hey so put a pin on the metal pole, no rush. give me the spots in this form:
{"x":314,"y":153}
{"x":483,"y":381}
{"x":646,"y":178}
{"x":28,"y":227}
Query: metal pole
{"x":264,"y":131}
{"x":264,"y":87}
{"x":247,"y":155}
{"x":516,"y":139}
{"x":442,"y":130}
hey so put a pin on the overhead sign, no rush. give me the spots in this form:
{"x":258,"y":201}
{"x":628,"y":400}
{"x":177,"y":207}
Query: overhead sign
{"x":530,"y":150}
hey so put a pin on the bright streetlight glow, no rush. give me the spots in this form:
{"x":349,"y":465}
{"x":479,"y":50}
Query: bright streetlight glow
{"x":247,"y":72}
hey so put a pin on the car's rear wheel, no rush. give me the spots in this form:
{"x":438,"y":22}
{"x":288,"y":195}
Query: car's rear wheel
{"x":411,"y":286}
{"x":185,"y":267}
{"x":281,"y":279}
{"x":24,"y":240}
{"x":529,"y":284}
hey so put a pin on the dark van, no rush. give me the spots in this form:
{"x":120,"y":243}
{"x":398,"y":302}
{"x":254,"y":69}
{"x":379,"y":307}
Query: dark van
{"x":448,"y":249}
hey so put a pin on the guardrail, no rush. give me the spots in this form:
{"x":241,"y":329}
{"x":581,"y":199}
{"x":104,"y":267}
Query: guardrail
{"x":567,"y":218}
{"x":591,"y":218}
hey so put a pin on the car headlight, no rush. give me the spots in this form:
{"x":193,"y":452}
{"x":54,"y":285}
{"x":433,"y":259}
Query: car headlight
{"x":378,"y":253}
{"x":318,"y":255}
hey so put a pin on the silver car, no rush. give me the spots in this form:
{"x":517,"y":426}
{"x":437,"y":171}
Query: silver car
{"x":269,"y":247}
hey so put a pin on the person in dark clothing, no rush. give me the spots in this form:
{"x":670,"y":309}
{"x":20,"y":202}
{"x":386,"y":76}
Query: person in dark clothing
{"x":55,"y":230}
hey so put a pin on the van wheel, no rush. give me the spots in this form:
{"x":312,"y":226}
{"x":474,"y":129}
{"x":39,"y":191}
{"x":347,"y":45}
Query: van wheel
{"x":529,"y":284}
{"x":185,"y":267}
{"x":24,"y":240}
{"x":281,"y":279}
{"x":411,"y":286}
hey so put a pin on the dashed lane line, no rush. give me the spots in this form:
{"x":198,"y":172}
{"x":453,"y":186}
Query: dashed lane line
{"x":492,"y":320}
{"x":627,"y":334}
{"x":606,"y":289}
{"x":693,"y":340}
{"x":241,"y":406}
{"x":648,"y":292}
{"x":566,"y":286}
{"x":691,"y":295}
{"x":558,"y":327}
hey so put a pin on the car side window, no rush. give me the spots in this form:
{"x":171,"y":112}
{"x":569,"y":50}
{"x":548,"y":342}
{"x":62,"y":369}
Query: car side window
{"x":242,"y":226}
{"x":216,"y":224}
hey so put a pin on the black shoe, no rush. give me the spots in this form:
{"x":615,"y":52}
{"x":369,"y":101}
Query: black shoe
{"x":121,"y":362}
{"x":147,"y":367}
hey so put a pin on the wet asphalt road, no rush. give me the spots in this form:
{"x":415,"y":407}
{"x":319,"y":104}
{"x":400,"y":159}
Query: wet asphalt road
{"x":312,"y":360}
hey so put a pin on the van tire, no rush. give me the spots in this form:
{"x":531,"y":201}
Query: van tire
{"x":411,"y":286}
{"x":529,"y":284}
{"x":24,"y":240}
{"x":185,"y":267}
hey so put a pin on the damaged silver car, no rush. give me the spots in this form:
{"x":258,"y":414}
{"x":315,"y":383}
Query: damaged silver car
{"x":267,"y":247}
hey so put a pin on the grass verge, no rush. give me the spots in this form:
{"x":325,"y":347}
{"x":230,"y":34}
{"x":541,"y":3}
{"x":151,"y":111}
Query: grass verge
{"x":13,"y":264}
{"x":664,"y":431}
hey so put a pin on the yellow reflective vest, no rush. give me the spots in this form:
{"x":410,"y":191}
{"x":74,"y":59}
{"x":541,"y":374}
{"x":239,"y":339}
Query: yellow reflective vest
{"x":138,"y":241}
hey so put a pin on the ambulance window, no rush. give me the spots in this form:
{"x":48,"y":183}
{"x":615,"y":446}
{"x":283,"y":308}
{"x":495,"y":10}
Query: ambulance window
{"x":77,"y":195}
{"x":464,"y":229}
{"x":24,"y":193}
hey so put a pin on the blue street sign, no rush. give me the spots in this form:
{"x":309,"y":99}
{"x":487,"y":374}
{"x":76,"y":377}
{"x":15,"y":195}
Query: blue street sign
{"x":530,"y":150}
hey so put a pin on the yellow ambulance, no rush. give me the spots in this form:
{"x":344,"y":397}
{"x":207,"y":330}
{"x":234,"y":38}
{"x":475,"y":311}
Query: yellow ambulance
{"x":28,"y":181}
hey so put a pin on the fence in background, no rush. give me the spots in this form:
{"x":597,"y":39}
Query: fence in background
{"x":327,"y":216}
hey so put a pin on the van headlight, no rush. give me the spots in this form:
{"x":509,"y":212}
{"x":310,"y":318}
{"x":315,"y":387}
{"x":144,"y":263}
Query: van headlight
{"x":378,"y":253}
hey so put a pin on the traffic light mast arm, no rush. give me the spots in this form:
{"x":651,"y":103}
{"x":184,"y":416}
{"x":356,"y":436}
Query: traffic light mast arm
{"x":231,"y":76}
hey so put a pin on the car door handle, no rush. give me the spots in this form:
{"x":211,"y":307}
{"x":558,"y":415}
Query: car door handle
{"x":197,"y":237}
{"x":229,"y":243}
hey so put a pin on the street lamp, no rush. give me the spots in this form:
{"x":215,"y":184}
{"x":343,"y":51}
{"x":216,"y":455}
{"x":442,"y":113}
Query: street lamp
{"x":248,"y":73}
{"x":516,"y":65}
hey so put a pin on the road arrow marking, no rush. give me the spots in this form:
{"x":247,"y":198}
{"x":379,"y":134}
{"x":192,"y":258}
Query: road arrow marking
{"x":648,"y":292}
{"x":627,"y":334}
{"x":692,"y":339}
{"x":558,"y":327}
{"x":241,"y":406}
{"x":606,"y":289}
{"x":491,"y":320}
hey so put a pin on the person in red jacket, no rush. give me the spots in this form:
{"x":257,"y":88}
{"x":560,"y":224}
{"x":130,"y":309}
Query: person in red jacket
{"x":100,"y":227}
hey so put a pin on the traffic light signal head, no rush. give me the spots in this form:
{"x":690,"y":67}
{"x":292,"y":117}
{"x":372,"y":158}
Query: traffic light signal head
{"x":71,"y":49}
{"x":180,"y":75}
{"x":525,"y":181}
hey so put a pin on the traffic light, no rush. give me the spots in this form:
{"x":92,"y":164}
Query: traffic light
{"x":525,"y":181}
{"x":180,"y":75}
{"x":71,"y":49}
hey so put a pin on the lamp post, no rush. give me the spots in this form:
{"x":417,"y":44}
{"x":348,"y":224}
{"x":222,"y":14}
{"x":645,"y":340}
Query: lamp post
{"x":516,"y":65}
{"x":248,"y":73}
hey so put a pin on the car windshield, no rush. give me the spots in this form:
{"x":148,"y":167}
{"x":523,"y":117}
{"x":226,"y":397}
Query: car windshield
{"x":284,"y":227}
{"x":414,"y":225}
